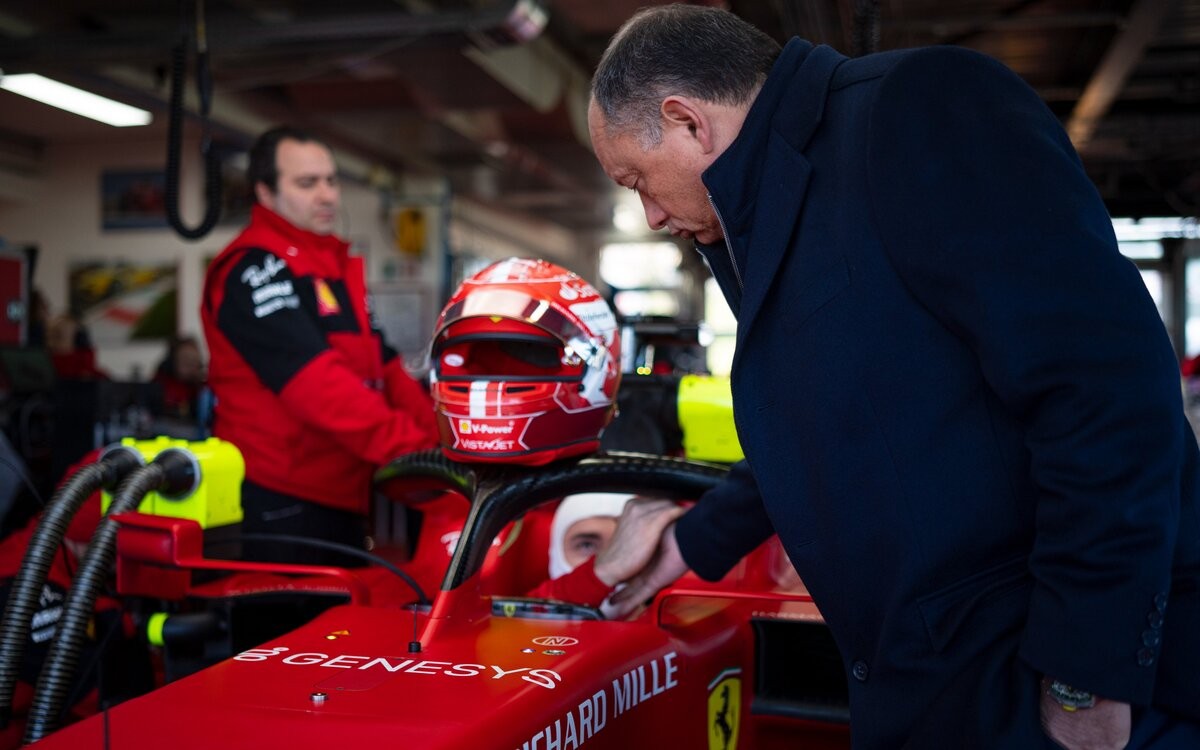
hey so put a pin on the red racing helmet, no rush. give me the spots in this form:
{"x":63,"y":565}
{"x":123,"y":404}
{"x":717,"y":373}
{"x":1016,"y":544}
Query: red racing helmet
{"x":526,"y":364}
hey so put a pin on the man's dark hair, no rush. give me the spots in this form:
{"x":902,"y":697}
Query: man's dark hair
{"x":701,"y":52}
{"x":262,"y":155}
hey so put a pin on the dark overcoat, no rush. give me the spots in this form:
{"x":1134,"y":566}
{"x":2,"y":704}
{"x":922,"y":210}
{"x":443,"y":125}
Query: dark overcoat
{"x":958,"y":404}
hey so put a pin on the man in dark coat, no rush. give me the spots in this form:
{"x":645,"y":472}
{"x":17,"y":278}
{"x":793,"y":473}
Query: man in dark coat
{"x":959,"y":407}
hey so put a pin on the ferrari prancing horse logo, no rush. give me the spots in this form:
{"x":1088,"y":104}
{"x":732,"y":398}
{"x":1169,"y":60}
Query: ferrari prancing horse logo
{"x":724,"y":710}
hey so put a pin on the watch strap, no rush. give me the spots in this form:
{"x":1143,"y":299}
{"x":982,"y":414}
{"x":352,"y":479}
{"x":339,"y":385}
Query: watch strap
{"x":1071,"y":699}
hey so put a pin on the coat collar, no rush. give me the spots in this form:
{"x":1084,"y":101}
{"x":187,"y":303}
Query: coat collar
{"x":733,"y":178}
{"x":758,"y":184}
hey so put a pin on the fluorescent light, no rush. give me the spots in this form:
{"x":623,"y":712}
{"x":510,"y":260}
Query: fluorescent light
{"x":1155,"y":228}
{"x":641,"y":265}
{"x":75,"y":100}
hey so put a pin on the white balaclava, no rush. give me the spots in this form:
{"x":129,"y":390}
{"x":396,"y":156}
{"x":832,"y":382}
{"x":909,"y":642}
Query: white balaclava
{"x":575,"y":508}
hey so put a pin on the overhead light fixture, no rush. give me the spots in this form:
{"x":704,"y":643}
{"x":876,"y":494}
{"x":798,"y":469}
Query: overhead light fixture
{"x":521,"y":23}
{"x":85,"y":103}
{"x":526,"y":21}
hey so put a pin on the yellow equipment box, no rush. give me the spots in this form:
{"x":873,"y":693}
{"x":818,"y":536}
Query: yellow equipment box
{"x":216,"y":501}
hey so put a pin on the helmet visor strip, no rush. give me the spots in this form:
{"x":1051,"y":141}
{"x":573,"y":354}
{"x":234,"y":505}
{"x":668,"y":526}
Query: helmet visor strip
{"x":580,"y":346}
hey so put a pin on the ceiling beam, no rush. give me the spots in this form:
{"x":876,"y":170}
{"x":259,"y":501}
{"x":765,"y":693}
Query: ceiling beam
{"x":228,"y":34}
{"x":1145,"y":18}
{"x":954,"y":25}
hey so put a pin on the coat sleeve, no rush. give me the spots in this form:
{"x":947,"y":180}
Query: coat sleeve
{"x":993,"y":226}
{"x":273,"y":330}
{"x":725,"y":525}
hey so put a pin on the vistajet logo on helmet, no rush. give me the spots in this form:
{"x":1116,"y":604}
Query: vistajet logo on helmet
{"x":491,"y":436}
{"x":526,"y":363}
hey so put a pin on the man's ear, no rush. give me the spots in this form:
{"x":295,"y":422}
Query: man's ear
{"x":264,"y":194}
{"x":686,"y":112}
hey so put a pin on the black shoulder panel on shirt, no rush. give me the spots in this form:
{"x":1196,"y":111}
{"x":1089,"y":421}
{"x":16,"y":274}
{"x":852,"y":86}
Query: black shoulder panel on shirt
{"x":268,"y":314}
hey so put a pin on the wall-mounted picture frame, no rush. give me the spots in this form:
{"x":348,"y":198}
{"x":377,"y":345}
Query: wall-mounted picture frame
{"x":133,"y":199}
{"x":120,"y":302}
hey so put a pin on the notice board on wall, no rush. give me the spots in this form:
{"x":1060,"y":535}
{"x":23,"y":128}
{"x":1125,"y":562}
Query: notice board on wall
{"x":402,"y":312}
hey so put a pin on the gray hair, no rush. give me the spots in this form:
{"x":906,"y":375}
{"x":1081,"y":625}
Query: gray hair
{"x":701,"y":52}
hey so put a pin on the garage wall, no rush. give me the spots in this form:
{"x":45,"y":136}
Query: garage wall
{"x":56,"y":205}
{"x":59,"y":211}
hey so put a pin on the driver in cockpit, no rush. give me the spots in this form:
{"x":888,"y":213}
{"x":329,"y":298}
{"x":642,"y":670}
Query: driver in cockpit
{"x":599,"y":540}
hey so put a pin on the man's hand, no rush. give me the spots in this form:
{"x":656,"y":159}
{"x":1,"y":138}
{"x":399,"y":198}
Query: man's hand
{"x":666,"y":566}
{"x":1104,"y":726}
{"x":633,"y":543}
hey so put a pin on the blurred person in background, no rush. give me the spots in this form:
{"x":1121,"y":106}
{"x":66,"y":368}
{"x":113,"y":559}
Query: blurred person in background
{"x":305,"y":385}
{"x":181,"y":375}
{"x":71,"y":350}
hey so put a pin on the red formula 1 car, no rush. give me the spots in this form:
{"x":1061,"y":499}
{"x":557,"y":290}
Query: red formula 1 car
{"x":746,"y":662}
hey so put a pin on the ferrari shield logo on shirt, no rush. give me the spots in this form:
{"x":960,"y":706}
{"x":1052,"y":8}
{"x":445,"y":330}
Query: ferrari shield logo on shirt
{"x":724,"y":710}
{"x":327,"y":303}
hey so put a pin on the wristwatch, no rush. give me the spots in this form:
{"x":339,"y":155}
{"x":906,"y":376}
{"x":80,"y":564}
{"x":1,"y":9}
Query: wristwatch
{"x":1068,"y":697}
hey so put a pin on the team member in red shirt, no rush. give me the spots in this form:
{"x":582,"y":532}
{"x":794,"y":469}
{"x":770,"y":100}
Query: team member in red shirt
{"x":305,"y":386}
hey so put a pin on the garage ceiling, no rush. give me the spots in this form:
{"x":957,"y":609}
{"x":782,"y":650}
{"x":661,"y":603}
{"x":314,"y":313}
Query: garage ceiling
{"x":457,"y":88}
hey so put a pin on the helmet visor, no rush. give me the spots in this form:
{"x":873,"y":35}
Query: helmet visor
{"x":517,"y":305}
{"x":503,"y":357}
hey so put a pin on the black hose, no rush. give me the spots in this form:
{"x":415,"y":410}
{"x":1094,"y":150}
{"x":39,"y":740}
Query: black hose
{"x":415,"y":473}
{"x":172,"y":472}
{"x":190,"y":627}
{"x":866,"y":28}
{"x":44,"y":544}
{"x":346,"y":549}
{"x":212,"y":164}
